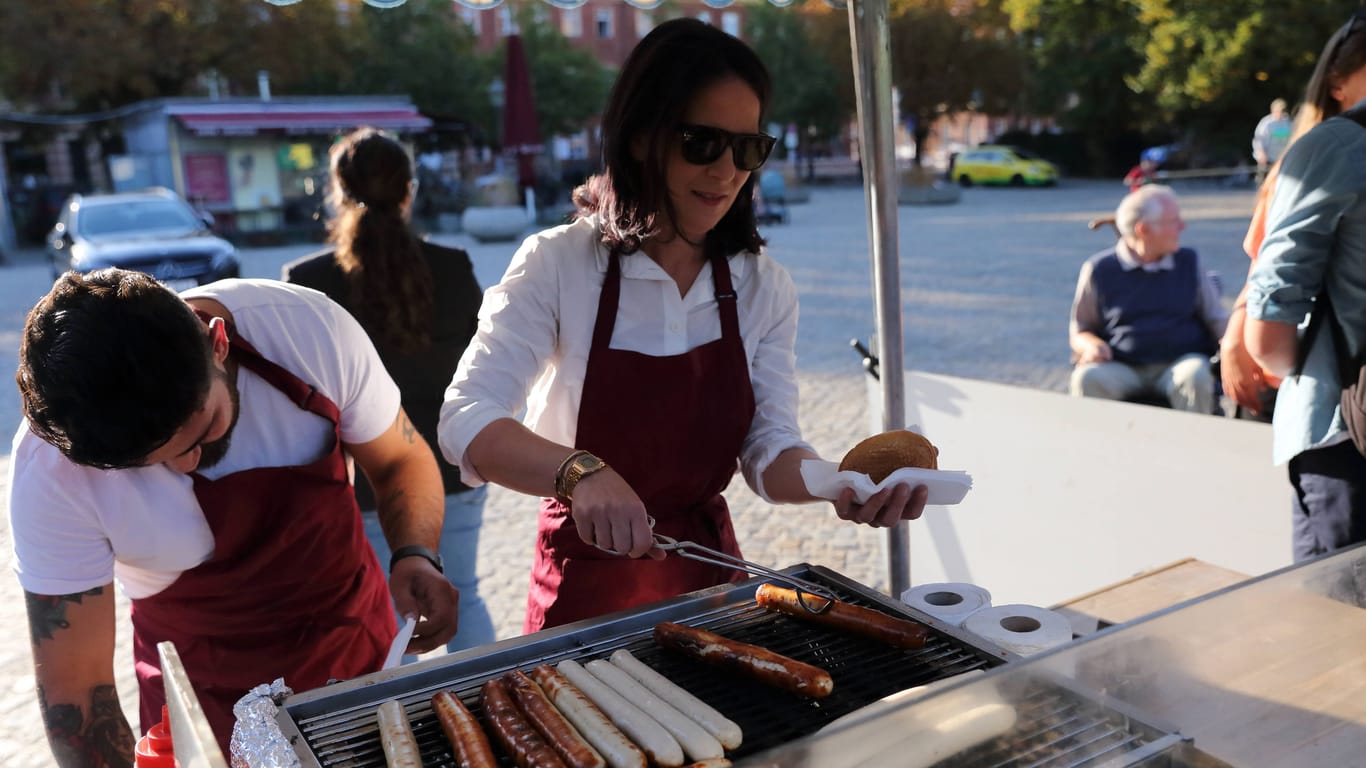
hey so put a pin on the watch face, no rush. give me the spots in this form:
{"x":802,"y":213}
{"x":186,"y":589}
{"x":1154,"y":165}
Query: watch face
{"x":588,"y":462}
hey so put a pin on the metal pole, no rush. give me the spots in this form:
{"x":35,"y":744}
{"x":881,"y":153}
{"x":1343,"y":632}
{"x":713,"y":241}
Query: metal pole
{"x":873,"y":83}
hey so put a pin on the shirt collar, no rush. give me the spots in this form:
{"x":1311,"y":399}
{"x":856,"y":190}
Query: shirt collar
{"x":1128,"y":260}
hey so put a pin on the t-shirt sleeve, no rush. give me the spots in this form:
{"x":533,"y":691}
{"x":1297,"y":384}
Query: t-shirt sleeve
{"x":367,"y":396}
{"x":59,"y":547}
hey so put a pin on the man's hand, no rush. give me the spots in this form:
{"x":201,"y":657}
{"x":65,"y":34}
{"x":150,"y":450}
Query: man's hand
{"x":609,"y":514}
{"x":1091,"y":349}
{"x":419,"y":589}
{"x":1243,"y":380}
{"x":885,"y":508}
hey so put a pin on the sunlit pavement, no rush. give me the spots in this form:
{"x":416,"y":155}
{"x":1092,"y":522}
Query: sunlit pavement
{"x":987,"y":284}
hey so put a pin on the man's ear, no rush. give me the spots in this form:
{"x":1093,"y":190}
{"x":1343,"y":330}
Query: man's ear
{"x":218,"y":338}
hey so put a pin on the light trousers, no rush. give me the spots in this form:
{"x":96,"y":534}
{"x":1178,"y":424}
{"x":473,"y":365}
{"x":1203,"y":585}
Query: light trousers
{"x":1187,"y":383}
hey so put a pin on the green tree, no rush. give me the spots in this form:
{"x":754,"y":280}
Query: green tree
{"x":569,"y":84}
{"x":950,"y":57}
{"x":813,"y":85}
{"x":1214,"y":68}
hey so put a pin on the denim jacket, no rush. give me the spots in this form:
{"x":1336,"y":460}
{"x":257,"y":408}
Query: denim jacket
{"x":1316,"y":235}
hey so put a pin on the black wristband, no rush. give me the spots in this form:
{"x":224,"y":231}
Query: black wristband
{"x":416,"y":550}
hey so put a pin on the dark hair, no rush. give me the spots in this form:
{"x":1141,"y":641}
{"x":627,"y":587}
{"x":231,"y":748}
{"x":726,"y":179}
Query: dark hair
{"x":111,"y":365}
{"x":391,"y":284}
{"x":1343,"y":54}
{"x":660,"y":78}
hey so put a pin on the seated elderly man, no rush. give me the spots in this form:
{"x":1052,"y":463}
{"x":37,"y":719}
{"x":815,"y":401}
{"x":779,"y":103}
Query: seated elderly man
{"x":1147,"y":317}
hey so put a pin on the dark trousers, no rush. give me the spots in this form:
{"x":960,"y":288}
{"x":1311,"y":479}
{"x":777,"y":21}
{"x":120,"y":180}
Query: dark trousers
{"x":1329,"y":505}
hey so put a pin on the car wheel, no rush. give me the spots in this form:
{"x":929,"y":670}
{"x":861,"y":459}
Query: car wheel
{"x":1017,"y":180}
{"x":964,"y":180}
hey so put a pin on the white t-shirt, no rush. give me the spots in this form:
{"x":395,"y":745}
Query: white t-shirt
{"x":77,"y":527}
{"x":536,"y":328}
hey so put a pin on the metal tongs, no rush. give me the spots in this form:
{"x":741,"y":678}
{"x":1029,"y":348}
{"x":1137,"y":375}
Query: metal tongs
{"x":694,"y":551}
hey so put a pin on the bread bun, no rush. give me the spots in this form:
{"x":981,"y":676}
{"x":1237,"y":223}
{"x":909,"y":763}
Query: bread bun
{"x":881,"y":455}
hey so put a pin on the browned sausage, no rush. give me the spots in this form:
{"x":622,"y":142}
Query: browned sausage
{"x":468,"y":742}
{"x":901,"y":633}
{"x":759,"y":663}
{"x":519,"y":739}
{"x":616,"y":749}
{"x":557,"y":731}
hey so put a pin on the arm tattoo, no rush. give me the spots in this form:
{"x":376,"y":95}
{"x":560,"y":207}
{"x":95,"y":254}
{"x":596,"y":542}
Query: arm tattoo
{"x":47,"y":613}
{"x":105,"y":742}
{"x":406,"y":425}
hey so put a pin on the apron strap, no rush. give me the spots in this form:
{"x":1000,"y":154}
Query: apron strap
{"x":725,"y":297}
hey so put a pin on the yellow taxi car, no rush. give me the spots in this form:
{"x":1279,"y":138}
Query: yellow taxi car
{"x":1000,"y":164}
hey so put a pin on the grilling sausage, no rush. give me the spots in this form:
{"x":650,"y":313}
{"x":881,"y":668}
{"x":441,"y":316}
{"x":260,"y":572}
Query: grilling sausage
{"x":468,"y":742}
{"x":519,"y":739}
{"x":759,"y":663}
{"x":650,"y":736}
{"x":591,"y":722}
{"x":556,"y":730}
{"x":717,"y":724}
{"x":696,"y":742}
{"x":396,"y":736}
{"x":900,"y":633}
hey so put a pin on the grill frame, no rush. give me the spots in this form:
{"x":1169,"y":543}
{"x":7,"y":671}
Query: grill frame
{"x":334,"y":725}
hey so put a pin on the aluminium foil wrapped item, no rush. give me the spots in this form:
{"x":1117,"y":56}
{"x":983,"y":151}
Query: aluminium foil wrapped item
{"x":256,"y":738}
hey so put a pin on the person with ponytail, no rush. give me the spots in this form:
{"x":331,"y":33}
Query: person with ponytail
{"x":419,"y":302}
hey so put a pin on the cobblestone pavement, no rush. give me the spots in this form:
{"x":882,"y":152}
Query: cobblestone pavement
{"x":987,"y":286}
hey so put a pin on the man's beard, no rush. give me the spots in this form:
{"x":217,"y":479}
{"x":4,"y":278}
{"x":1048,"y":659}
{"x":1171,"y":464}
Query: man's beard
{"x":212,"y":453}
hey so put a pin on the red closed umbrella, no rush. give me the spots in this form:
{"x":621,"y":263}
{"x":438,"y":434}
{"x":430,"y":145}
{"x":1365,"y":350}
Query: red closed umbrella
{"x":521,"y":133}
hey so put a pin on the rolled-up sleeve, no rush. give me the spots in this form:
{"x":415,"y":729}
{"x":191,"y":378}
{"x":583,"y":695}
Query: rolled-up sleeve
{"x":517,"y":335}
{"x":773,"y":375}
{"x":1312,"y":193}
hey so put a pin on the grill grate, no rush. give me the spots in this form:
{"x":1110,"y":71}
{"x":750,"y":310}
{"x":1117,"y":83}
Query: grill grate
{"x":1055,"y":728}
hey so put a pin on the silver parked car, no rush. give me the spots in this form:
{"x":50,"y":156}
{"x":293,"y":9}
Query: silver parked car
{"x":154,"y":232}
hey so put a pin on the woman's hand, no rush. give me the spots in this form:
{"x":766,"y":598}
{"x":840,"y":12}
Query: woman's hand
{"x":1242,"y":377}
{"x":610,"y":515}
{"x":885,"y":508}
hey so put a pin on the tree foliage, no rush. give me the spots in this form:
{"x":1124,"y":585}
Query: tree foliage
{"x":950,"y":56}
{"x":570,"y":84}
{"x":806,"y":51}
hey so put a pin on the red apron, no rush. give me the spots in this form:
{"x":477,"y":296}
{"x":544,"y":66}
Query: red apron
{"x":672,"y":427}
{"x":291,"y":590}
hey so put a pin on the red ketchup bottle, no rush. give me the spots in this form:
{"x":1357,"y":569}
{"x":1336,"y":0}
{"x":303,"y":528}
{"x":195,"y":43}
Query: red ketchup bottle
{"x":154,"y":749}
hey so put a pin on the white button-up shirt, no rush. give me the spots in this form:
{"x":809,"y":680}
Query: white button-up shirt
{"x":530,"y":354}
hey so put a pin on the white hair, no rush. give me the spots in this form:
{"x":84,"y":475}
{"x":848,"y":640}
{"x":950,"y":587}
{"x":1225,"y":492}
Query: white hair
{"x":1143,"y":205}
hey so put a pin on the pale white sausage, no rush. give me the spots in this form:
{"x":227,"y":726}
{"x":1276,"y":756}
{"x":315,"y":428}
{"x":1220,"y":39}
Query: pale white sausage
{"x":724,"y":729}
{"x":396,"y":736}
{"x":649,"y":735}
{"x":580,"y":710}
{"x":694,"y":739}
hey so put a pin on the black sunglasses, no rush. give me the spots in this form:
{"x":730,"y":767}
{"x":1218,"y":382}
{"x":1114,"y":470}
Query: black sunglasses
{"x":1358,"y":19}
{"x":703,"y":144}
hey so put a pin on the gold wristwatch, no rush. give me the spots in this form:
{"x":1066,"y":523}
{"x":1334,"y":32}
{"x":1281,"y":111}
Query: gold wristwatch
{"x":573,"y":469}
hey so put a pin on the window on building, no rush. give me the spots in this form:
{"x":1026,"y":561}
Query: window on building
{"x":605,"y":23}
{"x":730,"y":23}
{"x":645,"y":21}
{"x":705,"y":17}
{"x":571,"y":22}
{"x":471,"y":17}
{"x":540,"y":12}
{"x":506,"y":21}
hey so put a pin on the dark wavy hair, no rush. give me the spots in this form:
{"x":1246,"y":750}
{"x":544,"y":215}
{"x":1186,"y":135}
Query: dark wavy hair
{"x":660,"y":78}
{"x":111,"y":365}
{"x":391,"y":284}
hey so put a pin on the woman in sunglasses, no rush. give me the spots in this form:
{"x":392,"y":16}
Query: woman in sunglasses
{"x":650,"y":343}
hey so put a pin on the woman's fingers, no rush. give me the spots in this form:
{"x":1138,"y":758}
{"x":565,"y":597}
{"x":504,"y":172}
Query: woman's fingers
{"x":885,"y":508}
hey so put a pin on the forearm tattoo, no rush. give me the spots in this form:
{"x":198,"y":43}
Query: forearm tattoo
{"x":406,"y":426}
{"x":47,"y":613}
{"x":105,"y":741}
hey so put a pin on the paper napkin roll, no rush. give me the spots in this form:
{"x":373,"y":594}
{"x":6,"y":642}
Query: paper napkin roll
{"x":1024,"y":629}
{"x":950,"y":602}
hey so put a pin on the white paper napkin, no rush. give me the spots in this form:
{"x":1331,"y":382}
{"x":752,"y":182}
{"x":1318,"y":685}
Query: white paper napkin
{"x":824,"y":479}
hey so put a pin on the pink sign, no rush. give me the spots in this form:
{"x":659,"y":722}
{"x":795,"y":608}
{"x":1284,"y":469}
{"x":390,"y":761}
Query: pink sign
{"x":206,"y":177}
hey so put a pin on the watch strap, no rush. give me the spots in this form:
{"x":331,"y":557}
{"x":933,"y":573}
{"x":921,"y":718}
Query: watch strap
{"x":416,"y":550}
